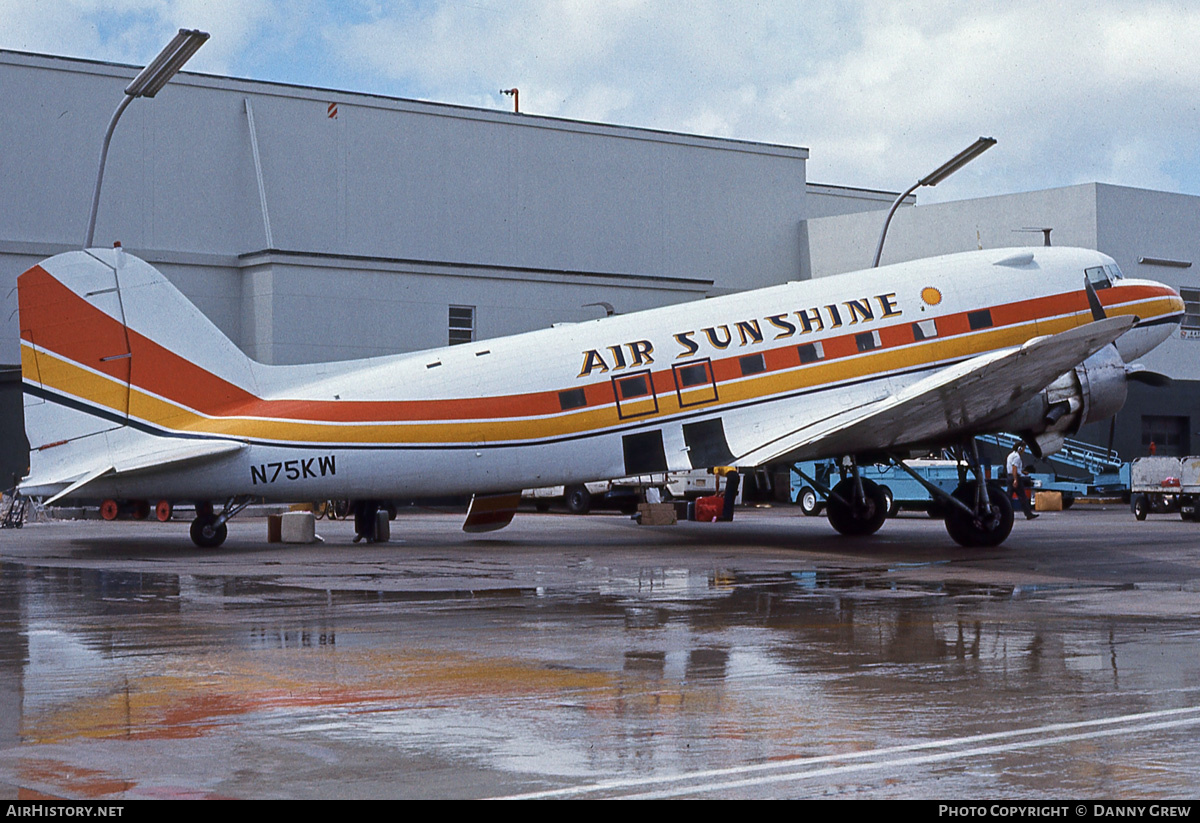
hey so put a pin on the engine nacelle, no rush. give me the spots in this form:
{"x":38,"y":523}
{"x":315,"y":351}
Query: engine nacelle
{"x":1093,"y":390}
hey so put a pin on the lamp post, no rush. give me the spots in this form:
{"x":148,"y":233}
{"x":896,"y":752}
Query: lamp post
{"x":932,"y":179}
{"x":148,"y":83}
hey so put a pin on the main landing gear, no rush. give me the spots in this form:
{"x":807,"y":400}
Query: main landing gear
{"x":977,"y":513}
{"x":857,"y":506}
{"x":209,"y":529}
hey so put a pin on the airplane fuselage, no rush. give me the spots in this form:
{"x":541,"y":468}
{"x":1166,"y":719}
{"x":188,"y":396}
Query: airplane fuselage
{"x":692,"y":385}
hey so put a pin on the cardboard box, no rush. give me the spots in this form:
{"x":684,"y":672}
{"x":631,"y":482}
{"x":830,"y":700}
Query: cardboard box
{"x":657,"y":514}
{"x":1048,"y":502}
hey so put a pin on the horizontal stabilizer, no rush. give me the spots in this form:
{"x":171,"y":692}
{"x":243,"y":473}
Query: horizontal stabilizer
{"x":154,"y":455}
{"x":489,"y":512}
{"x":956,"y":401}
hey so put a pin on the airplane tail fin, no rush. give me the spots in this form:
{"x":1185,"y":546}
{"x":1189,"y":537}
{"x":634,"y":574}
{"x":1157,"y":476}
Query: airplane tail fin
{"x":112,"y":353}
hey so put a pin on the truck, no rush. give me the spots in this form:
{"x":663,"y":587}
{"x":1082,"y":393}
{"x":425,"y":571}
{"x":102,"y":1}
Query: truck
{"x":1164,"y":485}
{"x":624,"y":493}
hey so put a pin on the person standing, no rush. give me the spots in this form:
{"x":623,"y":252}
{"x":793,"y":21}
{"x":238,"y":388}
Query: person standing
{"x":1015,"y":468}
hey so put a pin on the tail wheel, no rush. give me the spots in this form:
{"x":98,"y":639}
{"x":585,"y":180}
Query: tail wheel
{"x":163,"y":510}
{"x":109,"y":510}
{"x":207,"y":534}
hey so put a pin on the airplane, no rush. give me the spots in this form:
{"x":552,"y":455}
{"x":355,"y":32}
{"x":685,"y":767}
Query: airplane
{"x":132,"y":393}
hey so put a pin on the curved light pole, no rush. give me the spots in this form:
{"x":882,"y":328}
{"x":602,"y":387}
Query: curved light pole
{"x":148,"y":83}
{"x":932,"y":179}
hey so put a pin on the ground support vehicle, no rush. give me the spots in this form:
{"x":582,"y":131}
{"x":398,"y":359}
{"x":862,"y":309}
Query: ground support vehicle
{"x":624,"y":494}
{"x":900,"y":490}
{"x":1163,"y":485}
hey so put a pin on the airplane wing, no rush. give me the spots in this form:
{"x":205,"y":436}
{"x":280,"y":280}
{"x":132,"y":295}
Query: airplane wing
{"x":959,"y":399}
{"x":157,"y":455}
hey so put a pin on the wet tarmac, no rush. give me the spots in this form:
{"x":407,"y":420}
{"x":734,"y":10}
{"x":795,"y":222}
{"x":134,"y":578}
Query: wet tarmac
{"x":590,"y":657}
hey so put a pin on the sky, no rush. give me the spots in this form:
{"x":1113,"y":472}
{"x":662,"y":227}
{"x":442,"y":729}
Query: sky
{"x":881,"y":92}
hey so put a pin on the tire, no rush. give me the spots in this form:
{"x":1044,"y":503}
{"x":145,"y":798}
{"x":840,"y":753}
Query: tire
{"x":809,"y":502}
{"x":1068,"y":499}
{"x":206,"y":535}
{"x":1140,"y":506}
{"x":162,"y":511}
{"x":578,"y":499}
{"x":973,"y":532}
{"x":893,"y":508}
{"x":109,"y":510}
{"x":862,"y":519}
{"x":140,"y":509}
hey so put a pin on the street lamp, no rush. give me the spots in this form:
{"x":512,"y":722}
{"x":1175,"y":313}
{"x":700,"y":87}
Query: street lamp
{"x":932,"y":179}
{"x":148,"y":83}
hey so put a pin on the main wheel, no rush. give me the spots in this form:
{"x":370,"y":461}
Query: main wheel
{"x":860,"y":517}
{"x":983,"y":529}
{"x":163,"y":510}
{"x":109,"y":510}
{"x":809,"y":502}
{"x":579,"y":499}
{"x":207,"y":534}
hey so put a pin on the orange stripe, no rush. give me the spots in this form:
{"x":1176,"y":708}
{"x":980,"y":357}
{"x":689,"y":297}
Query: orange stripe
{"x":55,"y":318}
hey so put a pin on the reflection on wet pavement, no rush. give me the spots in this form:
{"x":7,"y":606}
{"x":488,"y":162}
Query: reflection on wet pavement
{"x":891,"y":680}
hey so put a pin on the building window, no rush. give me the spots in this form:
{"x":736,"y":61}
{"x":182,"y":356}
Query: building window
{"x":1191,"y":312}
{"x":462,"y":324}
{"x":1169,"y":434}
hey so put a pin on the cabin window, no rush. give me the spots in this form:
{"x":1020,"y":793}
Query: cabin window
{"x":572,"y":399}
{"x":634,"y":395}
{"x":924,"y":330}
{"x":462,"y":324}
{"x":867,"y":340}
{"x":1098,"y":277}
{"x":634,"y":386}
{"x":811,"y":352}
{"x":752,"y":364}
{"x":693,"y":375}
{"x":981,"y":319}
{"x":694,"y":383}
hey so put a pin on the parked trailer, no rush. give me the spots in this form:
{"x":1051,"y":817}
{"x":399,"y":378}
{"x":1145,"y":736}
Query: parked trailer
{"x":1163,"y":485}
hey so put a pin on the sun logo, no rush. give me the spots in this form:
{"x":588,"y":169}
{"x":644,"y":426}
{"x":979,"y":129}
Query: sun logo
{"x":931,"y":296}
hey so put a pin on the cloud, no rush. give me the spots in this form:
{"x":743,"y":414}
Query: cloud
{"x":880,"y":92}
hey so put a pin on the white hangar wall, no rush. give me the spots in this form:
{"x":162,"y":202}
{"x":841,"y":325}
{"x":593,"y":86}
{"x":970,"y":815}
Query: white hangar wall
{"x":383,"y":216}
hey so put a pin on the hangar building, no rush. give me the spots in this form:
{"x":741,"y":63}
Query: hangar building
{"x":320,"y":225}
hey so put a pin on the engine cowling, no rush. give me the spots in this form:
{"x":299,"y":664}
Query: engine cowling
{"x":1094,"y":390}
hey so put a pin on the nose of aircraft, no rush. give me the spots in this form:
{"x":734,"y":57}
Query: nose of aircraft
{"x":1159,"y":310}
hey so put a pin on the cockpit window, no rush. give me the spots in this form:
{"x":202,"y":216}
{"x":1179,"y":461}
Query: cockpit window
{"x":1114,"y":271}
{"x":1098,"y":277}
